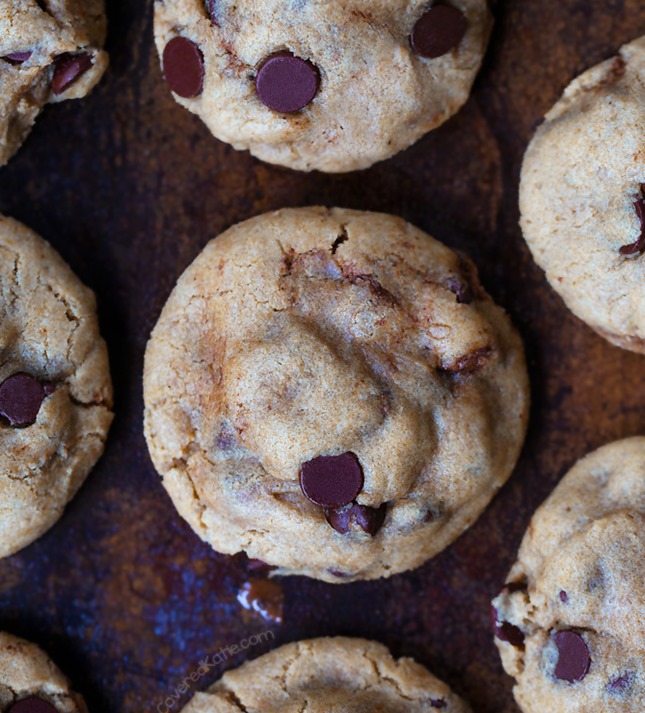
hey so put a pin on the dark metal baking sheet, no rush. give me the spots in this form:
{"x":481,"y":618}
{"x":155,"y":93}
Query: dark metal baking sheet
{"x":129,"y":187}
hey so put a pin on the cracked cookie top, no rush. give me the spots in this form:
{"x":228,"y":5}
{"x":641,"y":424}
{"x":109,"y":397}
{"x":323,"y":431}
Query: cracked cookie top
{"x":50,"y":51}
{"x":55,"y":392}
{"x":334,"y":393}
{"x":31,"y":683}
{"x":334,"y":86}
{"x":582,"y":199}
{"x":569,"y":622}
{"x":338,"y":675}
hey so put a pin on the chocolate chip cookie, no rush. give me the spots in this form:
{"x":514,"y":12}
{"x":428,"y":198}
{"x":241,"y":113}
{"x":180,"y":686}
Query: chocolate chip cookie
{"x":337,"y":675}
{"x":50,"y":51}
{"x":334,"y":86}
{"x":31,"y":683}
{"x":582,"y":200}
{"x":55,"y":392}
{"x":333,"y":393}
{"x":570,"y":622}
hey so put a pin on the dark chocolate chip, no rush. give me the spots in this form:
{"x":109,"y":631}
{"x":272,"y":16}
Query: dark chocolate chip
{"x":512,"y":587}
{"x":21,"y":397}
{"x":564,"y":597}
{"x":338,"y":573}
{"x":332,"y":481}
{"x":463,"y":291}
{"x":440,"y":29}
{"x":638,"y":246}
{"x":286,"y":83}
{"x":68,"y":68}
{"x":438,"y":703}
{"x":574,"y":659}
{"x":505,"y":631}
{"x":356,"y":516}
{"x":183,"y":67}
{"x":32,"y":705}
{"x":17,"y":57}
{"x":621,"y":684}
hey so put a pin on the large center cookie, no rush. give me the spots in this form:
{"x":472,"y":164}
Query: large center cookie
{"x":31,"y":683}
{"x":334,"y":85}
{"x":582,"y":197}
{"x":55,"y":392}
{"x":337,"y":675}
{"x":50,"y":51}
{"x":570,"y":623}
{"x":333,"y":393}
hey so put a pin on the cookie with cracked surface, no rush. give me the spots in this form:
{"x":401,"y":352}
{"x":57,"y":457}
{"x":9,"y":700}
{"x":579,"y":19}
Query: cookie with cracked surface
{"x":570,"y":622}
{"x":31,"y":683}
{"x":333,"y":393}
{"x":50,"y":51}
{"x":334,"y":86}
{"x":337,"y":675}
{"x":582,"y":199}
{"x":55,"y":391}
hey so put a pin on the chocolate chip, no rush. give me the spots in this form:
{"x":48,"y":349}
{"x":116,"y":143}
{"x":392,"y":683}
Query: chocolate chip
{"x":505,"y":631}
{"x":438,"y":703}
{"x":338,"y":573}
{"x":440,"y":29}
{"x":286,"y":83}
{"x":573,"y":656}
{"x":332,"y":481}
{"x":17,"y":57}
{"x":355,"y":516}
{"x":638,"y":246}
{"x":263,"y":596}
{"x":212,"y":10}
{"x":564,"y":597}
{"x":21,"y":397}
{"x":183,"y":67}
{"x":463,"y":291}
{"x":512,"y":587}
{"x":32,"y":705}
{"x":68,"y":68}
{"x":621,"y":684}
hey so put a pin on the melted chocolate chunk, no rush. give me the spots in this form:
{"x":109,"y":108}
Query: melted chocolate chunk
{"x":68,"y":68}
{"x":263,"y":596}
{"x":355,"y":516}
{"x":21,"y":397}
{"x":637,"y":247}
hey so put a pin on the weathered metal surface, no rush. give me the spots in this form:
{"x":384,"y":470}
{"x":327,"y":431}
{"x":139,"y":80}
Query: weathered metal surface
{"x":129,"y":187}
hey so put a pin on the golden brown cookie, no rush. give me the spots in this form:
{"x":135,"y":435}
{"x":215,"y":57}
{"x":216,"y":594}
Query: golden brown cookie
{"x":570,"y":622}
{"x":334,"y":393}
{"x":55,"y":390}
{"x":334,"y":85}
{"x":337,"y":675}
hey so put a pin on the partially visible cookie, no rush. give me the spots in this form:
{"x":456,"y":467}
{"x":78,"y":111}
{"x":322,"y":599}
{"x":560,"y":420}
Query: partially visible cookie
{"x":50,"y":51}
{"x":31,"y":683}
{"x":55,"y":390}
{"x":334,"y":86}
{"x":333,"y":393}
{"x":570,"y":622}
{"x":338,"y":675}
{"x":582,"y":197}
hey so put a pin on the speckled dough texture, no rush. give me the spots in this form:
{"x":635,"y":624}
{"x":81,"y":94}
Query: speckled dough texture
{"x":580,"y":568}
{"x":47,"y":29}
{"x":581,"y":176}
{"x":314,"y":332}
{"x":376,"y":97}
{"x":26,"y":672}
{"x":337,"y":675}
{"x":48,"y":329}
